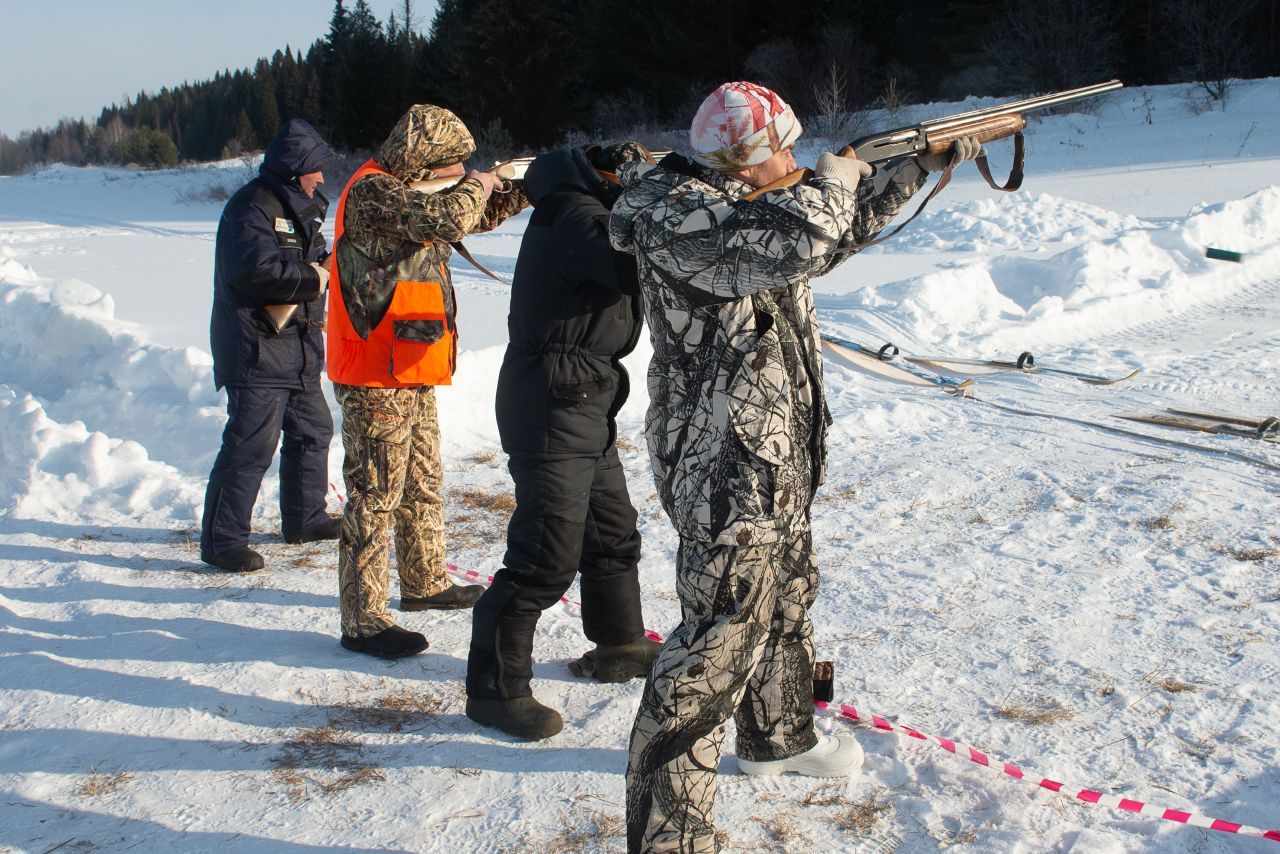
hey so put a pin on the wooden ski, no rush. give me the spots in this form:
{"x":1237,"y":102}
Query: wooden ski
{"x":1262,"y":429}
{"x":885,"y":362}
{"x":1025,"y":363}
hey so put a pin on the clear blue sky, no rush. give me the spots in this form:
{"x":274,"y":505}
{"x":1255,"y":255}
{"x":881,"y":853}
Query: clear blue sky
{"x":74,"y":57}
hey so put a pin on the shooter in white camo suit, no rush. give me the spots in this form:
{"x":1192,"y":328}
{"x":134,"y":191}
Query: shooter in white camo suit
{"x":736,"y":429}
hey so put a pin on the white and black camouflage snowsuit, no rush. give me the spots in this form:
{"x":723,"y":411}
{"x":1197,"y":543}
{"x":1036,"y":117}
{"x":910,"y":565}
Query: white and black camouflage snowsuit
{"x":737,"y":439}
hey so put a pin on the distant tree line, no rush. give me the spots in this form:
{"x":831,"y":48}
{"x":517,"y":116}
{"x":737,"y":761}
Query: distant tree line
{"x":529,"y":75}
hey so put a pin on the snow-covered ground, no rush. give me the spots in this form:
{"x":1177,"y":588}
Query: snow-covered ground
{"x":1096,"y":607}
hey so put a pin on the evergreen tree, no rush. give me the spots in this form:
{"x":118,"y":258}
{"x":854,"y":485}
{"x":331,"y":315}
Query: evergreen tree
{"x":515,"y":65}
{"x":531,"y":72}
{"x":263,"y":112}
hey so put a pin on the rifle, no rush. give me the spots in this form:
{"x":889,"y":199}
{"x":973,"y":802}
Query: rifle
{"x":938,"y":136}
{"x":508,"y":171}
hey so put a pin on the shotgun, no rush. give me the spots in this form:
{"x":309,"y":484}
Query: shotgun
{"x":938,"y":136}
{"x":508,"y":170}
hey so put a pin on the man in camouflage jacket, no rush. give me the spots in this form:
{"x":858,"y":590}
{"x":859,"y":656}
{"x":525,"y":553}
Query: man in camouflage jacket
{"x":393,"y":235}
{"x":736,"y":430}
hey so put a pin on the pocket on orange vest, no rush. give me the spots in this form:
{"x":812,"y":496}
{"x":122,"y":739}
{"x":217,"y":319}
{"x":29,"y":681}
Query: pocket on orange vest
{"x":422,"y":331}
{"x":415,"y":361}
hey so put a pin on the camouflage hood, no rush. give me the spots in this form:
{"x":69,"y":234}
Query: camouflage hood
{"x":426,"y":137}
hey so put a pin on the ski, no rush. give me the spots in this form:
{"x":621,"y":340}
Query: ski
{"x":886,"y":363}
{"x":1026,"y":363}
{"x":1262,"y":429}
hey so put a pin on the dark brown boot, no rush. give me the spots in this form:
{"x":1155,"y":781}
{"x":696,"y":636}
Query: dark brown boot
{"x":523,"y":717}
{"x":617,"y":663}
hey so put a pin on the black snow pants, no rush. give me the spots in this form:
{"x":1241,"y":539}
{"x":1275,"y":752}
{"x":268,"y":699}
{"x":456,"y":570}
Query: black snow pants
{"x":256,"y":419}
{"x":572,"y":516}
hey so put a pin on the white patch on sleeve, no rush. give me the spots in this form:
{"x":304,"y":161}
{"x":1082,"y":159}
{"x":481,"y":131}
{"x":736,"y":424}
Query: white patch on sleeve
{"x":704,"y":218}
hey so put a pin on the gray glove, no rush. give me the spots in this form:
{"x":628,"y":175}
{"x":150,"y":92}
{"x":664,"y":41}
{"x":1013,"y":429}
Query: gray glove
{"x":846,"y":170}
{"x":966,"y":148}
{"x":323,"y":273}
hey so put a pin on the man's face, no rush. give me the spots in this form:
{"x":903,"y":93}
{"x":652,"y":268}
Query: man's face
{"x":781,"y":164}
{"x":309,"y":182}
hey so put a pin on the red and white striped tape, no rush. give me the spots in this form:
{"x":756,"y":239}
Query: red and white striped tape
{"x":1088,"y":796}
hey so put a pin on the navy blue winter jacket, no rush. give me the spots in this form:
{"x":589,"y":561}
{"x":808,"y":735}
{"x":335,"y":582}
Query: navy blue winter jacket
{"x":268,"y":234}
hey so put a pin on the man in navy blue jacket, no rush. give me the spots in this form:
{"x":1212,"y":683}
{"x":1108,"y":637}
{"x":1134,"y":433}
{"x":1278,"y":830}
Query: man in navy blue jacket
{"x":267,"y":334}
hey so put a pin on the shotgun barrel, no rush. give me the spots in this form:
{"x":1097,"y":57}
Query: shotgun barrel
{"x":1043,"y":102}
{"x":988,"y":123}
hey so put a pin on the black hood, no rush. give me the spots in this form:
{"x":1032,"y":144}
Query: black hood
{"x":565,"y":169}
{"x":298,"y":149}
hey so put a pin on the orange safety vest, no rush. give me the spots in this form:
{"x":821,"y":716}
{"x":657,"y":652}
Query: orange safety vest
{"x":382,"y":360}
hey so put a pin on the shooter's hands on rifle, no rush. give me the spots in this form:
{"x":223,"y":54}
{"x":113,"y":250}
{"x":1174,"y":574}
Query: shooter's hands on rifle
{"x":843,"y":168}
{"x":965,"y":148}
{"x":490,"y":181}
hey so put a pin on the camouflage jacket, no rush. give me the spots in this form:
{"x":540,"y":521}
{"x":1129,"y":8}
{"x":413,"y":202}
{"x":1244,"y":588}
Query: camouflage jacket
{"x":737,"y":418}
{"x":386,"y":224}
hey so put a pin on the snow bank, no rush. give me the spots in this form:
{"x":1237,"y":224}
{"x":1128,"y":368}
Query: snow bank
{"x":65,"y":472}
{"x":60,"y":342}
{"x":1116,"y":273}
{"x":76,"y":379}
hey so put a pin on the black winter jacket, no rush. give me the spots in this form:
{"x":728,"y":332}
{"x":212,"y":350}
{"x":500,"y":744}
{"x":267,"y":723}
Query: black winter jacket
{"x":575,"y":313}
{"x":268,"y":234}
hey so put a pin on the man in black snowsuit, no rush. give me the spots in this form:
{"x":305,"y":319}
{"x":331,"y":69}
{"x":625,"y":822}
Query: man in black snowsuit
{"x":270,"y":254}
{"x":575,"y":313}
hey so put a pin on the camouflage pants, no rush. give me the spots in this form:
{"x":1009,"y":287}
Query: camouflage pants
{"x":394,"y":478}
{"x":744,"y":649}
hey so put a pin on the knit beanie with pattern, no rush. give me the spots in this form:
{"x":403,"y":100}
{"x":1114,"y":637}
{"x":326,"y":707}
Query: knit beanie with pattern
{"x":741,"y":124}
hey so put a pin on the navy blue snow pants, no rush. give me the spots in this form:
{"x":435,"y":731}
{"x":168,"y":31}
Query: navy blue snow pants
{"x":256,"y":419}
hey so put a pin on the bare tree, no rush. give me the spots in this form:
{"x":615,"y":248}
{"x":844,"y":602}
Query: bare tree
{"x":1211,"y":38}
{"x":833,"y":82}
{"x":782,"y":65}
{"x":412,"y":22}
{"x":1053,"y":45}
{"x":837,"y":119}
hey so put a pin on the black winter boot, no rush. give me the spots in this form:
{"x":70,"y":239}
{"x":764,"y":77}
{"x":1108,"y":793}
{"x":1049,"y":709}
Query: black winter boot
{"x":453,"y":598}
{"x":523,"y":717}
{"x":391,"y":642}
{"x":329,"y":530}
{"x":617,"y":663}
{"x":237,"y":559}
